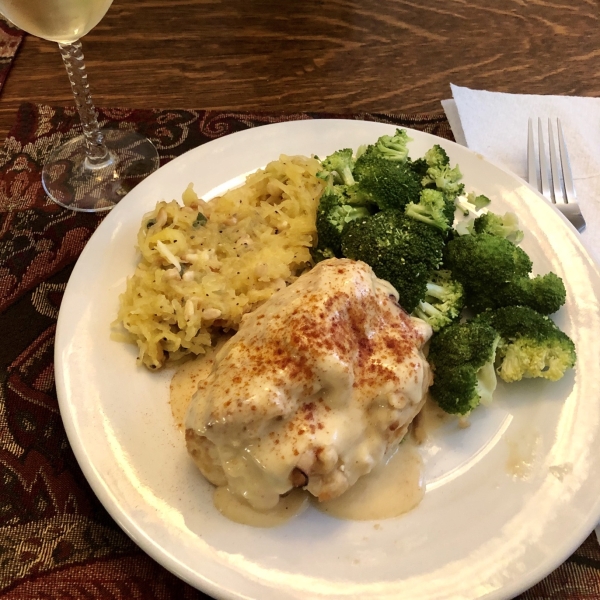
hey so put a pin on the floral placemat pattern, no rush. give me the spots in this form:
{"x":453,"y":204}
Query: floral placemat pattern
{"x":56,"y":539}
{"x":10,"y":40}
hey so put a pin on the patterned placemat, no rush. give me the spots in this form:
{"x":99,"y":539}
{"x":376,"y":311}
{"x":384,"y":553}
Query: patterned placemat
{"x":10,"y":40}
{"x":56,"y":539}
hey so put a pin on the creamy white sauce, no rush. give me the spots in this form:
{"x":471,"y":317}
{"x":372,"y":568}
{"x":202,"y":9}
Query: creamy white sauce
{"x":391,"y":489}
{"x":184,"y":383}
{"x":429,"y":420}
{"x":522,"y":453}
{"x":183,"y":386}
{"x":236,"y":509}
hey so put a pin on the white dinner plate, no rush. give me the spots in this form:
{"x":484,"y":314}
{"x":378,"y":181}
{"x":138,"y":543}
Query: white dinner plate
{"x":507,"y":500}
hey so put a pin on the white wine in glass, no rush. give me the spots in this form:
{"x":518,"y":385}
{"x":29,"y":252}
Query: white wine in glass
{"x":93,"y":171}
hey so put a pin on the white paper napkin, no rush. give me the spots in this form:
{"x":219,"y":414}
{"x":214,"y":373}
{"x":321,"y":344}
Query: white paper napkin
{"x":495,"y":125}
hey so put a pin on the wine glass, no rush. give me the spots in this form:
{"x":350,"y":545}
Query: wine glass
{"x":93,"y":171}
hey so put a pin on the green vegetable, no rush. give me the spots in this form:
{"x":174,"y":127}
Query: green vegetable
{"x":399,"y":249}
{"x":338,"y":167}
{"x":199,"y":221}
{"x":433,"y":209}
{"x":441,"y":175}
{"x":319,"y":254}
{"x":418,"y":167}
{"x":472,"y":202}
{"x":506,"y":226}
{"x":462,"y":358}
{"x":495,"y":272}
{"x":333,"y":214}
{"x":394,"y":147}
{"x":531,"y":345}
{"x":485,"y":260}
{"x":443,"y":302}
{"x":383,"y":182}
{"x":544,"y":294}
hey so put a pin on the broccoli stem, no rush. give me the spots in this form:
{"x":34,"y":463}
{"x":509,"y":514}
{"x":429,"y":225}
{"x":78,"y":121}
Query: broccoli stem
{"x":436,"y":291}
{"x":347,"y":176}
{"x":420,"y":216}
{"x":465,"y":206}
{"x":428,"y":309}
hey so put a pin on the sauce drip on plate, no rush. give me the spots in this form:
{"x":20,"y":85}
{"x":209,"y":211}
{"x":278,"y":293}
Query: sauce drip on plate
{"x":236,"y":509}
{"x":392,"y":488}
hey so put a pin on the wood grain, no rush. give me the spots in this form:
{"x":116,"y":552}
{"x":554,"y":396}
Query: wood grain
{"x":340,"y":55}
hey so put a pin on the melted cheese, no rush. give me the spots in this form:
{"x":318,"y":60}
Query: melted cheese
{"x":318,"y":384}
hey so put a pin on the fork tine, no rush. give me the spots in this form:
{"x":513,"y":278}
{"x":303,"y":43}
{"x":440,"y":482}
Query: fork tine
{"x":567,"y":204}
{"x":557,"y":190}
{"x":566,"y":165}
{"x":532,"y":175}
{"x":544,"y":180}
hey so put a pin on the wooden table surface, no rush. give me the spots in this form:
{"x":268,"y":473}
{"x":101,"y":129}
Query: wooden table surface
{"x":341,"y":55}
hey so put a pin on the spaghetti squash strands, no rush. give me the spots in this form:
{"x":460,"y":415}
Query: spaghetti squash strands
{"x":204,"y":265}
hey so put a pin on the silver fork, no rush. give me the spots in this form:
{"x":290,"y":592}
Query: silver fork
{"x":562,"y":191}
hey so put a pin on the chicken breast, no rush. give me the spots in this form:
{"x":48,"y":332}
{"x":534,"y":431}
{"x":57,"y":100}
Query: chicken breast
{"x":317,"y":385}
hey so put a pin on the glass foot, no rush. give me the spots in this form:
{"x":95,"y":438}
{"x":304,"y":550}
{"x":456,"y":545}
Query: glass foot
{"x":71,"y":181}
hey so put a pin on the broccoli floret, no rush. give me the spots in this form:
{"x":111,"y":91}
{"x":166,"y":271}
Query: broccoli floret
{"x":531,"y":345}
{"x":483,"y":260}
{"x":338,"y":166}
{"x":484,"y":263}
{"x":462,"y":358}
{"x":399,"y":249}
{"x":333,"y":214}
{"x":443,"y":302}
{"x":441,"y":175}
{"x":419,"y":167}
{"x":471,"y":202}
{"x":383,"y":182}
{"x":436,"y":156}
{"x":394,"y":147}
{"x":545,"y":294}
{"x":495,"y":273}
{"x":506,"y":226}
{"x":479,"y":201}
{"x":432,"y":209}
{"x":449,"y":210}
{"x":319,"y":254}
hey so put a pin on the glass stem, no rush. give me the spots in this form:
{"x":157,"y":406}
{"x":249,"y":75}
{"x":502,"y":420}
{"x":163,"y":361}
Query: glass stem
{"x":97,"y":153}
